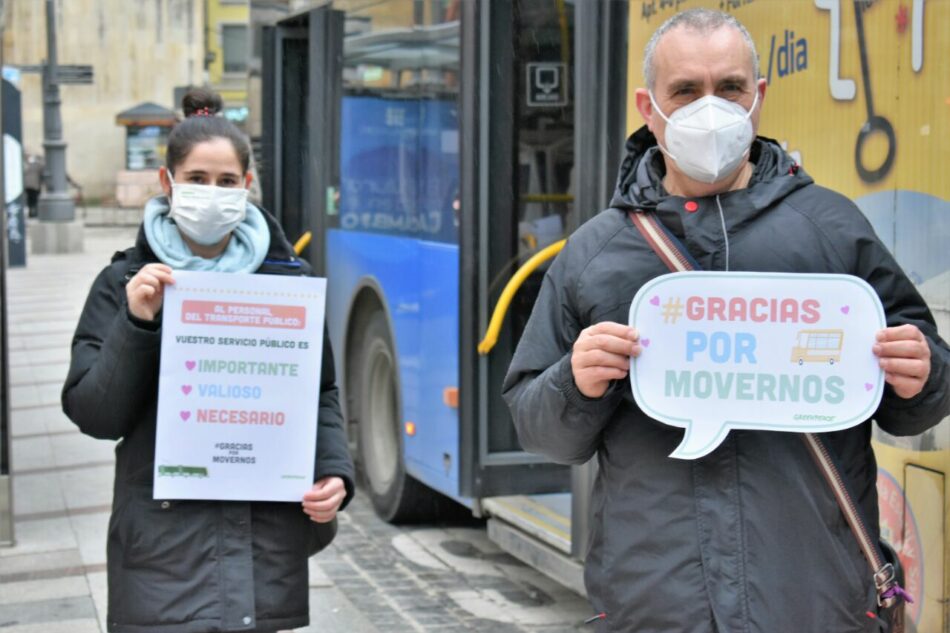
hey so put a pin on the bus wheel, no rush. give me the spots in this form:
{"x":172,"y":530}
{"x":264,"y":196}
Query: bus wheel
{"x":396,"y":497}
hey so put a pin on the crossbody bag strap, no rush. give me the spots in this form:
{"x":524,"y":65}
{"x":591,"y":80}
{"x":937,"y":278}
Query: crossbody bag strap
{"x":672,"y":253}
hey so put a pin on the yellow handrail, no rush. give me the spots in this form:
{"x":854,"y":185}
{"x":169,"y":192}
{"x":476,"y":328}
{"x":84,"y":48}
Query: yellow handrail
{"x":501,"y":308}
{"x":303,"y":242}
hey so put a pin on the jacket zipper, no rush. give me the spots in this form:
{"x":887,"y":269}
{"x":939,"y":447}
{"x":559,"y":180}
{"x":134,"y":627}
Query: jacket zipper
{"x":725,"y":233}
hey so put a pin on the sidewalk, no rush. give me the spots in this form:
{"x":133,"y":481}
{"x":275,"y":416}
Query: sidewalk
{"x":54,"y":578}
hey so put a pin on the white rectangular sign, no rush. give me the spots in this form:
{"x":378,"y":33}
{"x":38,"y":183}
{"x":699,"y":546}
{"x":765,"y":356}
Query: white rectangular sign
{"x":239,"y":386}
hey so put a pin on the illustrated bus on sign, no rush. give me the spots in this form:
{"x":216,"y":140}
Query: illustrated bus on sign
{"x":818,"y":346}
{"x":410,"y":140}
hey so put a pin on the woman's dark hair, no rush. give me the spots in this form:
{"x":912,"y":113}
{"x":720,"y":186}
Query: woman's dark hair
{"x":202,"y":124}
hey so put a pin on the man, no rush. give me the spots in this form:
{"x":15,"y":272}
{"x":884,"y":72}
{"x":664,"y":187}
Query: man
{"x":750,"y":537}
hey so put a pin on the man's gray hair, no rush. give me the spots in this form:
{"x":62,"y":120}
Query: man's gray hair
{"x":704,"y":21}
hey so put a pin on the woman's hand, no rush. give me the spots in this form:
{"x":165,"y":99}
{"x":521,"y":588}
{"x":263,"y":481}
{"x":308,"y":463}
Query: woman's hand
{"x":322,"y":501}
{"x":145,"y":290}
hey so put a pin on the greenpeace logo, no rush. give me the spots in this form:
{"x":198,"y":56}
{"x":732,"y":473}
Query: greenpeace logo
{"x":814,"y":416}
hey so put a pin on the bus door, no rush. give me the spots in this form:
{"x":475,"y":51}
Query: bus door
{"x":517,"y":199}
{"x":544,"y":122}
{"x":300,"y":124}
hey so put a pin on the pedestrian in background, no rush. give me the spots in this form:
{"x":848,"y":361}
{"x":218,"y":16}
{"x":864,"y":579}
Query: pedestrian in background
{"x":33,"y":166}
{"x":749,"y":538}
{"x":195,"y":566}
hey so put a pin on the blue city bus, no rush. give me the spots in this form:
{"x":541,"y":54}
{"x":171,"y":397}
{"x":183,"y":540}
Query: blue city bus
{"x":371,"y":115}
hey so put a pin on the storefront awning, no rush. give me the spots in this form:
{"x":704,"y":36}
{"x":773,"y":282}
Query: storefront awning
{"x":147,"y":114}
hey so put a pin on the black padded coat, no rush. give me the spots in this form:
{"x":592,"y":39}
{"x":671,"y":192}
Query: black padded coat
{"x":189,"y":566}
{"x":749,"y":538}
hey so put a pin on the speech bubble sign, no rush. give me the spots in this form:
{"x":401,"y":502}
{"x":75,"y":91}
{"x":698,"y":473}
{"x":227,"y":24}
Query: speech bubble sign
{"x":763,"y":351}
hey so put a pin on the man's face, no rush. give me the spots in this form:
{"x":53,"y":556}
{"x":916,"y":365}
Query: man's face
{"x":691,"y":64}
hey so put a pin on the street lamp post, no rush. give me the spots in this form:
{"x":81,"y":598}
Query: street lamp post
{"x":55,"y":204}
{"x":57,"y":231}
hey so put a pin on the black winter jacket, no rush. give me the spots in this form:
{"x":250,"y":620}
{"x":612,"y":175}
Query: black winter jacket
{"x":189,"y":566}
{"x":749,"y":538}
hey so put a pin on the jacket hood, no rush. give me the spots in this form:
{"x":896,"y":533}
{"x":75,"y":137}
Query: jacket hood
{"x":639,"y":183}
{"x":280,"y":248}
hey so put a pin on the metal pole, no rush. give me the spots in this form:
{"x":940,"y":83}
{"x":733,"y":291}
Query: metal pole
{"x":6,"y":478}
{"x":55,"y":204}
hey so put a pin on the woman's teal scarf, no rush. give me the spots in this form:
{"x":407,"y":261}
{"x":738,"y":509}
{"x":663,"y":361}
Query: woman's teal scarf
{"x":244,"y":253}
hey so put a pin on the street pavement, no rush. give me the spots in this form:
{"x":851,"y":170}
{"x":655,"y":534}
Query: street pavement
{"x":374,"y":578}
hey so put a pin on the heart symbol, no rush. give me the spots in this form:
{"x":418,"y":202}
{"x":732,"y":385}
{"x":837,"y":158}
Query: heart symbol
{"x":190,"y":364}
{"x":185,"y":415}
{"x":845,"y":309}
{"x":645,"y":342}
{"x":655,"y":300}
{"x":868,"y":386}
{"x":186,"y":389}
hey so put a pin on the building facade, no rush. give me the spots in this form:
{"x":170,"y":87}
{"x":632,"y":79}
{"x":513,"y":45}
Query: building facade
{"x":227,"y":46}
{"x":140,"y":51}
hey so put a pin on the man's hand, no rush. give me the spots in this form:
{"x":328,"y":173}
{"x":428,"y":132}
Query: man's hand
{"x":602,"y":353}
{"x":145,"y":290}
{"x":322,"y":501}
{"x":904,"y":355}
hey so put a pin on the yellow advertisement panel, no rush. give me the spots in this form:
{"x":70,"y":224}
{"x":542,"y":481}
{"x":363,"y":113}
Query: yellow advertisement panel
{"x":841,"y":80}
{"x":859,"y":93}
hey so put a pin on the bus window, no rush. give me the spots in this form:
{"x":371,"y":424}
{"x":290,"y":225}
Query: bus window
{"x":818,"y":346}
{"x":399,"y":165}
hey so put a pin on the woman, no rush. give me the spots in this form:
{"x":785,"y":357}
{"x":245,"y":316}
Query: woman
{"x":195,"y":566}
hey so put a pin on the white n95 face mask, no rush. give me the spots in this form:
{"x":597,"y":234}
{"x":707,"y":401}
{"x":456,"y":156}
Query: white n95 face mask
{"x":708,"y":138}
{"x":206,"y":213}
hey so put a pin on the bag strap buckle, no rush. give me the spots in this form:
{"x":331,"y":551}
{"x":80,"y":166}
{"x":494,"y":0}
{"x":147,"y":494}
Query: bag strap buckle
{"x":885,"y":581}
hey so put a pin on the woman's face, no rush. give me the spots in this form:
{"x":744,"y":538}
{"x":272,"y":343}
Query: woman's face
{"x":212,"y":162}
